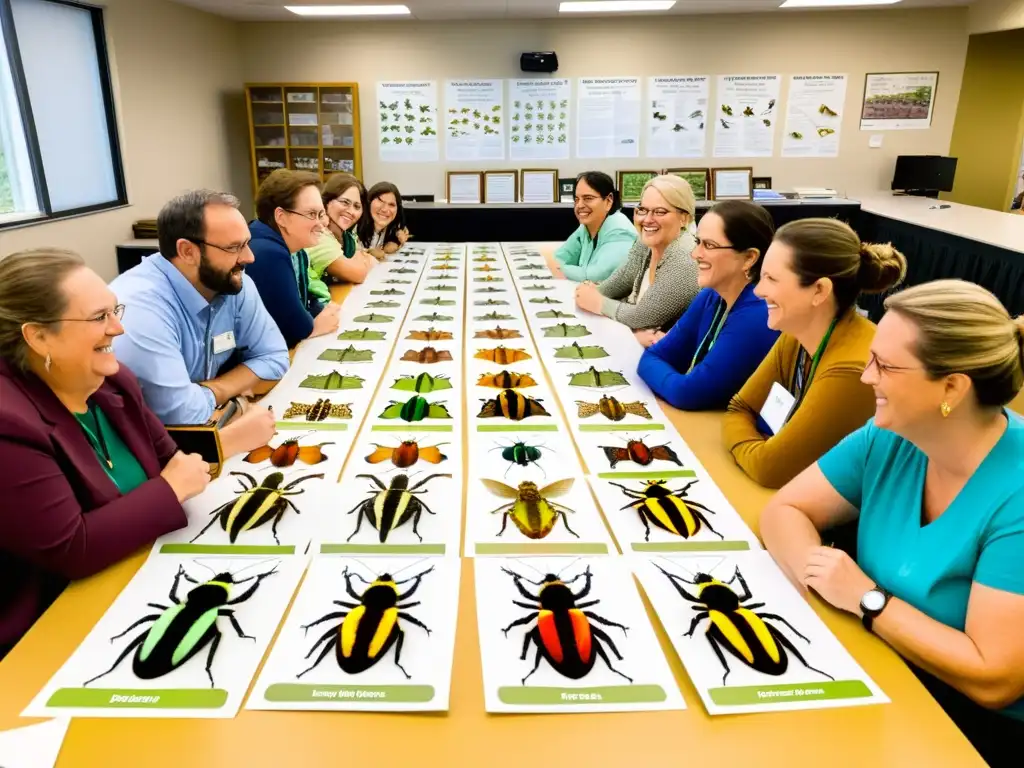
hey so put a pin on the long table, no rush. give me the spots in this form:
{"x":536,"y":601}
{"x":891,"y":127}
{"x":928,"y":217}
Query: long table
{"x":912,"y":730}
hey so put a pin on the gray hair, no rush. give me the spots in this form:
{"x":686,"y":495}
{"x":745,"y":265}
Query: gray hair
{"x":182,"y":218}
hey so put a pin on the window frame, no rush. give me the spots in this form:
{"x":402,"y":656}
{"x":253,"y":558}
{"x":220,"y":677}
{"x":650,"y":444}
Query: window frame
{"x":13,"y":56}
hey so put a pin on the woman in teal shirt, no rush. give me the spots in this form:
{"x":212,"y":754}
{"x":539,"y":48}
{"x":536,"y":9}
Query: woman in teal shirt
{"x":601,"y":243}
{"x":936,"y":485}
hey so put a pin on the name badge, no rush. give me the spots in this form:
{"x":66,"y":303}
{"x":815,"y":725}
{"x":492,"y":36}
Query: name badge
{"x":777,"y":407}
{"x":223,"y":342}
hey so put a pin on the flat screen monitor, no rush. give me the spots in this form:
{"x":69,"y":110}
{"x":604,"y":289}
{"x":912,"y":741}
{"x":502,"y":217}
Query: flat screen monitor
{"x":931,"y":173}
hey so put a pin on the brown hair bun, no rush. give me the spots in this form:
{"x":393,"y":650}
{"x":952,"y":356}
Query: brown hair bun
{"x":881,"y":267}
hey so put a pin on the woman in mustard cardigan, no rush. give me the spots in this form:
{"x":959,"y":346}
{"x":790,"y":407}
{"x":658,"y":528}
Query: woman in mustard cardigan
{"x":807,"y":394}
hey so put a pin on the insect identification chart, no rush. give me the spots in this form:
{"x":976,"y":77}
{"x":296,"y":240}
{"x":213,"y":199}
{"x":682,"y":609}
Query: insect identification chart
{"x":814,"y":115}
{"x":474,"y":120}
{"x":371,"y":634}
{"x":183,"y":639}
{"x":748,"y":640}
{"x":33,"y":746}
{"x":745,"y":112}
{"x":567,"y":634}
{"x":608,"y":111}
{"x":540,"y":118}
{"x":407,"y":122}
{"x":677,"y":113}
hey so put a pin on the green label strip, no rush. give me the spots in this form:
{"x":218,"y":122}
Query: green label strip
{"x":320,"y":426}
{"x":419,"y":427}
{"x":517,"y":428}
{"x":542,"y":549}
{"x":227,"y":549}
{"x":573,"y":697}
{"x":142,"y":698}
{"x":692,"y":546}
{"x":647,"y":475}
{"x":382,"y":549}
{"x":787,"y":694}
{"x":390,"y":694}
{"x":620,"y":427}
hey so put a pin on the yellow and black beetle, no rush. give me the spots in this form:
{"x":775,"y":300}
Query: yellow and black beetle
{"x":670,"y":510}
{"x":392,"y":505}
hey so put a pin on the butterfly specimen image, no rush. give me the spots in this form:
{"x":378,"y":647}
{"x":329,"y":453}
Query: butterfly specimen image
{"x":599,"y":379}
{"x":503,"y":355}
{"x":530,"y":509}
{"x":348,"y":355}
{"x":392,"y":506}
{"x":443,"y":267}
{"x":438,"y":302}
{"x":498,"y":333}
{"x":575,"y":352}
{"x":332,"y":381}
{"x":287,"y":453}
{"x":430,"y":335}
{"x":506,"y":380}
{"x":494,"y":316}
{"x":672,"y":511}
{"x":426,"y":356}
{"x":415,"y":409}
{"x":382,"y":305}
{"x":612,"y":409}
{"x":484,"y":259}
{"x":364,"y":334}
{"x":489,"y":279}
{"x":489,"y":289}
{"x":406,"y":454}
{"x":554,"y":314}
{"x":319,"y":411}
{"x":513,"y":406}
{"x":563,"y":331}
{"x":423,"y":384}
{"x":433,"y":317}
{"x":388,"y":292}
{"x":491,"y":303}
{"x":486,"y":268}
{"x":373,"y":318}
{"x":544,"y":300}
{"x":640,"y":453}
{"x":441,"y":288}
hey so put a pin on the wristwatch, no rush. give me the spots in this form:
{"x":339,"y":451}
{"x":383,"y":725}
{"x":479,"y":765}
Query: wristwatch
{"x":872,"y":604}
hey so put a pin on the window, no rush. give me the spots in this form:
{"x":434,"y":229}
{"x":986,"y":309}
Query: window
{"x":59,"y":150}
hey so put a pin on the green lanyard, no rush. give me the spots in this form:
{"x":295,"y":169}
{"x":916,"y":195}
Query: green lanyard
{"x":717,"y":323}
{"x":96,"y":440}
{"x":799,"y":385}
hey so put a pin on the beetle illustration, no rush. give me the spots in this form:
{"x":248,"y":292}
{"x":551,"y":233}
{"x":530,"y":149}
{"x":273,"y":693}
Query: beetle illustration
{"x":430,"y":335}
{"x":427,"y":356}
{"x":319,"y":411}
{"x":503,"y":355}
{"x":640,"y":453}
{"x":513,"y":406}
{"x":370,"y":626}
{"x":256,"y":504}
{"x":669,"y":510}
{"x":598,"y":379}
{"x":519,"y":453}
{"x":392,"y":506}
{"x":332,"y":381}
{"x":563,"y":331}
{"x":506,"y":380}
{"x":424,"y":383}
{"x":734,"y":624}
{"x":612,"y":409}
{"x":364,"y":334}
{"x":348,"y":355}
{"x":287,"y":453}
{"x":530,"y":509}
{"x":498,"y":333}
{"x":575,"y":352}
{"x":183,"y":629}
{"x":415,"y":408}
{"x":564,"y":633}
{"x":407,"y":454}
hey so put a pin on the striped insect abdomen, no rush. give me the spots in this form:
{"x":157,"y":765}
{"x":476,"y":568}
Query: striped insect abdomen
{"x":250,"y":511}
{"x":415,"y":409}
{"x":671,"y":514}
{"x":158,"y":630}
{"x":768,"y":656}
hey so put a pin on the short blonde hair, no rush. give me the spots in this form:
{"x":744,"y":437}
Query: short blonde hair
{"x":676,"y":191}
{"x":963,"y":328}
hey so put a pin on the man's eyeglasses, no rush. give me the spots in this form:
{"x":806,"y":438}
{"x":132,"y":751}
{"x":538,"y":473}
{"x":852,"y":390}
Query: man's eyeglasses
{"x":234,"y":248}
{"x":311,"y":215}
{"x":704,"y":244}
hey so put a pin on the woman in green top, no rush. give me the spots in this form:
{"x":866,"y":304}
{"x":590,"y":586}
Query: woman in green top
{"x":338,"y":254}
{"x":604,"y":237}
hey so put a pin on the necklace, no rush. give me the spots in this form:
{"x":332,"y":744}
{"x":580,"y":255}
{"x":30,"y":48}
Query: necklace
{"x":100,"y":439}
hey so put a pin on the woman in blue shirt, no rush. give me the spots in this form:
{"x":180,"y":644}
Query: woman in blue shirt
{"x":724,"y":335}
{"x":936,"y":484}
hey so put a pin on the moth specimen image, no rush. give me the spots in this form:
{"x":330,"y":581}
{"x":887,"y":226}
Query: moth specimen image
{"x":406,"y":454}
{"x":287,"y":453}
{"x":640,"y":453}
{"x":364,"y":334}
{"x":612,"y":409}
{"x":597,"y":379}
{"x":563,"y":331}
{"x":513,"y":406}
{"x":430,"y":335}
{"x":498,"y":333}
{"x":575,"y":352}
{"x":554,"y":314}
{"x":506,"y":380}
{"x":319,"y":411}
{"x":530,"y":509}
{"x":332,"y":381}
{"x":427,"y":356}
{"x":503,"y":355}
{"x":415,"y":409}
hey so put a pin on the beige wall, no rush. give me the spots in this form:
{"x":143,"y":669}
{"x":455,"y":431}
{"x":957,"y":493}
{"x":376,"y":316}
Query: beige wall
{"x":784,"y":43}
{"x":175,"y":70}
{"x":995,"y":16}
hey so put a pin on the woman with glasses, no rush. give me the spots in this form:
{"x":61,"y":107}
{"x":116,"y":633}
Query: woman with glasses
{"x":600,"y":245}
{"x":90,"y":475}
{"x":337,"y":255}
{"x":290,"y":218}
{"x":723,"y":335}
{"x":807,"y":395}
{"x":382,"y":230}
{"x":935,"y":483}
{"x":659,"y":279}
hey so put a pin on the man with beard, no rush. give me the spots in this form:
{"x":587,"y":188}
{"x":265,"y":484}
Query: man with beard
{"x":196,"y":332}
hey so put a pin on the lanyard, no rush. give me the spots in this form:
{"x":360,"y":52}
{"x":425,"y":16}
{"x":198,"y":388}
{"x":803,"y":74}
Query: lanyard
{"x":799,"y":384}
{"x":99,"y":444}
{"x":717,"y":323}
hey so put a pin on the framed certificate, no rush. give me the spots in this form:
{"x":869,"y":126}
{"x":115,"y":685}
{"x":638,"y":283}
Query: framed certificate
{"x":539,"y":185}
{"x":699,"y":180}
{"x":501,"y":187}
{"x":464,"y":187}
{"x":732,"y":183}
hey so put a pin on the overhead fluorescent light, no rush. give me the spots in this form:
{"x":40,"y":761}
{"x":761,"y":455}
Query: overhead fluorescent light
{"x":834,"y":3}
{"x":348,"y":10}
{"x":615,"y":6}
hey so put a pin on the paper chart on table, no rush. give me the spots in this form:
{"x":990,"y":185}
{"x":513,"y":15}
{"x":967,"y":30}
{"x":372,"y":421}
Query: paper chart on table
{"x":622,"y":669}
{"x":326,"y":657}
{"x":608,"y":117}
{"x":814,"y":115}
{"x":677,"y":115}
{"x":779,"y":655}
{"x":745,"y":111}
{"x":474,"y":120}
{"x":539,"y":109}
{"x":127,"y":665}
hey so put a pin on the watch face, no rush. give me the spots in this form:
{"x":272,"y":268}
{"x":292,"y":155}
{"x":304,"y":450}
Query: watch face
{"x":873,"y":600}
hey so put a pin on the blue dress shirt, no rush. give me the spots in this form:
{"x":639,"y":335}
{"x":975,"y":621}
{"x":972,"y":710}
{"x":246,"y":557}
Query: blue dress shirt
{"x":168,"y":341}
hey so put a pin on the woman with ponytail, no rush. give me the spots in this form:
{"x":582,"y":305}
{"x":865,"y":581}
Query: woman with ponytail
{"x":807,"y":395}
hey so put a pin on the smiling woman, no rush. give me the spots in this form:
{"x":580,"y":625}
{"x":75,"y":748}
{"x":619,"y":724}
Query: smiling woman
{"x":600,"y":245}
{"x":337,"y":254}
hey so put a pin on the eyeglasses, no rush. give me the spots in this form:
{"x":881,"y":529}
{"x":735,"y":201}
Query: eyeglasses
{"x":704,"y":244}
{"x":100,"y":319}
{"x":884,"y":369}
{"x":235,"y":248}
{"x":587,"y":199}
{"x":320,"y":215}
{"x":346,"y":204}
{"x":658,"y":213}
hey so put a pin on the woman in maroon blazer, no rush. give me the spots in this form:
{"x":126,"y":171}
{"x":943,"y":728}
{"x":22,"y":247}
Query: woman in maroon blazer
{"x":89,"y":474}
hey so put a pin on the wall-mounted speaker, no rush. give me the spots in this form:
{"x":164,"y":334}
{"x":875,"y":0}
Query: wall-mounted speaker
{"x":539,"y":62}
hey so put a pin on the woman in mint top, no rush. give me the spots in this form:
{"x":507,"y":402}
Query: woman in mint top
{"x":936,"y":485}
{"x":337,"y":256}
{"x":605,"y":234}
{"x":91,"y":475}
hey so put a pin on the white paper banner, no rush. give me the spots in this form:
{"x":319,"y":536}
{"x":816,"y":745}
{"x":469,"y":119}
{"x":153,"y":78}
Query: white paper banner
{"x":474,"y":120}
{"x":745,"y":112}
{"x":677,"y":116}
{"x":407,"y":121}
{"x":608,"y":113}
{"x":814,"y":115}
{"x":539,"y":119}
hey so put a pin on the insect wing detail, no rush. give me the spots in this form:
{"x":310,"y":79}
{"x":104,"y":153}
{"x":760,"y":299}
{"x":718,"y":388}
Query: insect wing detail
{"x":424,"y":383}
{"x":427,"y":356}
{"x":513,"y":406}
{"x":503,"y":355}
{"x":598,"y":379}
{"x":506,"y":380}
{"x":332,"y":381}
{"x":612,"y":409}
{"x":319,"y":411}
{"x":415,"y":409}
{"x":406,"y":454}
{"x":575,"y":352}
{"x":531,"y":510}
{"x":563,"y":331}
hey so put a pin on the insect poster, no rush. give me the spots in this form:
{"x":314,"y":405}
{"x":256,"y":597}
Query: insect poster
{"x":344,"y":646}
{"x":183,"y":639}
{"x":765,"y":650}
{"x":567,"y":634}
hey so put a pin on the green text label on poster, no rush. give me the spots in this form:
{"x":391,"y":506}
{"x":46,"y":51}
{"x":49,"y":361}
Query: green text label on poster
{"x":829,"y":690}
{"x":609,"y":694}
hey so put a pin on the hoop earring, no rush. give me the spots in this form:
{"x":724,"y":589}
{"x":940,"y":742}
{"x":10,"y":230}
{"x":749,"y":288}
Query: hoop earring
{"x":945,"y":409}
{"x":48,"y":362}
